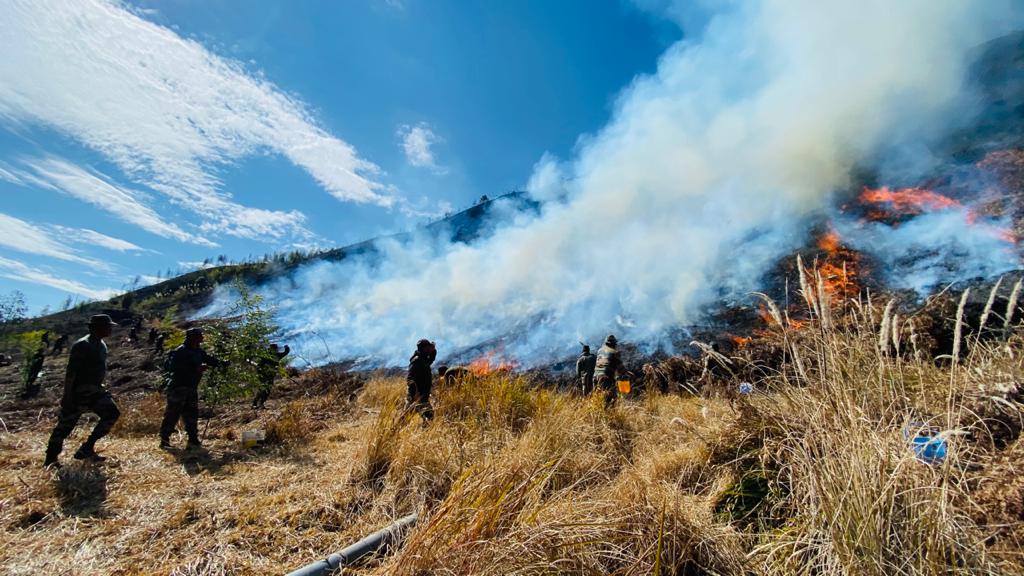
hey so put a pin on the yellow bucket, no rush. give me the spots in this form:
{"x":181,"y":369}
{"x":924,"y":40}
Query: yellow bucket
{"x":624,"y":387}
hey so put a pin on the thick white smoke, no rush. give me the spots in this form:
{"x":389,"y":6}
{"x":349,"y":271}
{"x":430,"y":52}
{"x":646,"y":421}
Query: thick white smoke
{"x":704,"y":176}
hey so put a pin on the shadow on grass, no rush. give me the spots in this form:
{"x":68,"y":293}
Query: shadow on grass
{"x":202,"y":460}
{"x":82,"y":489}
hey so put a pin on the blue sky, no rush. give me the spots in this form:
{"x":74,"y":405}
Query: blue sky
{"x":141,"y":137}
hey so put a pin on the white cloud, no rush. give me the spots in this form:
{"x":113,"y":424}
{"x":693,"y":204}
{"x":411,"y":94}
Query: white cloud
{"x":19,"y":235}
{"x":86,"y":236}
{"x":16,"y":270}
{"x":165,"y":110}
{"x":95,"y":188}
{"x":417,"y":143}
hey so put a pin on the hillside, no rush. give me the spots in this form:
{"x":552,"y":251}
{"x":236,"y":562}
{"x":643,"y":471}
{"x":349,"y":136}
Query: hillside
{"x":790,"y":432}
{"x":810,"y":474}
{"x":192,"y":290}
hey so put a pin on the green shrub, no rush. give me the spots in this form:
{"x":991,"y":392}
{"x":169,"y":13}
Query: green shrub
{"x":241,"y":339}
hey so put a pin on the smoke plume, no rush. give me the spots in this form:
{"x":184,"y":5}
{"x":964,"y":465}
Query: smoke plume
{"x":708,"y":171}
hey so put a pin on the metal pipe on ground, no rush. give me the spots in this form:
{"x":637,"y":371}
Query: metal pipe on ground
{"x":368,"y":545}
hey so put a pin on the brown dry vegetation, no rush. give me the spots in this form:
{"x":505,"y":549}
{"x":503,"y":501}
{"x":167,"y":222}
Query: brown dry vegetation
{"x":811,"y":475}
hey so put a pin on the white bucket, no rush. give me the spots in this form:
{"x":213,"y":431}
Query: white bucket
{"x":250,"y":438}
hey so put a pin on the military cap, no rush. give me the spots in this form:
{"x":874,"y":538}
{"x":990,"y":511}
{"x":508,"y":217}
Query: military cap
{"x":101,"y":320}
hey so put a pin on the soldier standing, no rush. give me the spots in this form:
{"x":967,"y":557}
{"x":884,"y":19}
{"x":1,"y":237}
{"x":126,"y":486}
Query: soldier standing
{"x":607,"y":369}
{"x":585,"y":366}
{"x":32,"y":373}
{"x":158,"y":343}
{"x":84,"y":392}
{"x":185,"y":365}
{"x":420,"y":378}
{"x":268,"y":368}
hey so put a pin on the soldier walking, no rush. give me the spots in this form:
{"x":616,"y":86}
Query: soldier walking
{"x":420,"y":378}
{"x":59,"y":344}
{"x":84,"y":392}
{"x":585,"y":366}
{"x":268,"y":368}
{"x":607,"y":369}
{"x":185,"y":366}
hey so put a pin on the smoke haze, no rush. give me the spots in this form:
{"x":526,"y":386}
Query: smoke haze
{"x":708,"y":171}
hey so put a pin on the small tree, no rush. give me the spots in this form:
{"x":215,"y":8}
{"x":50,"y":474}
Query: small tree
{"x":13,"y":307}
{"x":241,"y":339}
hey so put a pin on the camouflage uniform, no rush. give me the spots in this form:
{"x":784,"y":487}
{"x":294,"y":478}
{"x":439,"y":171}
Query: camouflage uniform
{"x":31,"y":388}
{"x":59,"y":344}
{"x":585,"y":366}
{"x":454,"y":374}
{"x":607,"y":369}
{"x":84,"y":392}
{"x":420,"y":379}
{"x":185,"y":367}
{"x":268,"y":368}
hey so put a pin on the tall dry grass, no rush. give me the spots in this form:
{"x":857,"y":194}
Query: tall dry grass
{"x":813,"y":474}
{"x":810,"y":475}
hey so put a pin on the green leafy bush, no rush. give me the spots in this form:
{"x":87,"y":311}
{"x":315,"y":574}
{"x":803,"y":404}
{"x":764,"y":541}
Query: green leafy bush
{"x":242,"y":339}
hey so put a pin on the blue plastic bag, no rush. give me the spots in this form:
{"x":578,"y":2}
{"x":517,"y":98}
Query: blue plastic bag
{"x":929,"y":448}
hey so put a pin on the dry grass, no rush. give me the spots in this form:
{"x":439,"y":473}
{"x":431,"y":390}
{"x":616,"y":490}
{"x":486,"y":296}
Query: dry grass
{"x":810,"y":475}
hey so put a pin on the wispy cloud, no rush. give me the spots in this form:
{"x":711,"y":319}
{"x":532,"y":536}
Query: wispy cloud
{"x":165,"y":110}
{"x":95,"y":188}
{"x":417,"y":143}
{"x":94,"y":238}
{"x":16,"y":270}
{"x":22,"y":236}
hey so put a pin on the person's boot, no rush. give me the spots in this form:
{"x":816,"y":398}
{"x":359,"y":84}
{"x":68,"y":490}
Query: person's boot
{"x":194,"y":444}
{"x":51,"y":461}
{"x":165,"y":444}
{"x":88,"y":453}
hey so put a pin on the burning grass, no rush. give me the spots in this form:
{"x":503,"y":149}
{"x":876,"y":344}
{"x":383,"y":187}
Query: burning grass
{"x":812,"y":474}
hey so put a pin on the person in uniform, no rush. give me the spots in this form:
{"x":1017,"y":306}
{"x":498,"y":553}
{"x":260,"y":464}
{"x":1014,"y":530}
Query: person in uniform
{"x":84,"y":392}
{"x":185,"y":366}
{"x":585,"y":366}
{"x":158,"y":343}
{"x":607,"y":369}
{"x":420,"y":379}
{"x":59,"y":344}
{"x":453,"y":374}
{"x":32,"y":373}
{"x":268,"y":367}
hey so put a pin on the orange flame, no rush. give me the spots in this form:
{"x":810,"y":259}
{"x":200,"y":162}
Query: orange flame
{"x":829,"y":241}
{"x":914,"y":201}
{"x":489,"y":364}
{"x":907,"y":201}
{"x":740,"y":341}
{"x":839,"y":270}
